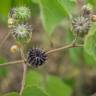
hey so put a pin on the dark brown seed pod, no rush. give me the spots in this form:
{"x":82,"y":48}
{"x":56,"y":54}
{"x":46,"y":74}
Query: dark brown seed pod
{"x":36,"y":57}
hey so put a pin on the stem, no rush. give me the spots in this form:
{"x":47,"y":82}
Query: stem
{"x":3,"y":41}
{"x":24,"y":72}
{"x":23,"y":79}
{"x":12,"y":62}
{"x":72,"y":45}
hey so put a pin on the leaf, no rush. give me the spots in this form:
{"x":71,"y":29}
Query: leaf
{"x":11,"y":94}
{"x":88,"y":59}
{"x":34,"y":91}
{"x":33,"y":78}
{"x":90,"y":42}
{"x":56,"y":87}
{"x":52,"y":13}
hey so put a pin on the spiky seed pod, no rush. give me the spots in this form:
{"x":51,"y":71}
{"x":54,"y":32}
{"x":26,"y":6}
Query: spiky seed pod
{"x":20,"y":13}
{"x":22,"y":33}
{"x":87,"y":10}
{"x":11,"y":18}
{"x":12,"y":13}
{"x":36,"y":57}
{"x":81,"y":26}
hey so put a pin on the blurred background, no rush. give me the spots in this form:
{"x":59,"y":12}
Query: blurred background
{"x":73,"y":66}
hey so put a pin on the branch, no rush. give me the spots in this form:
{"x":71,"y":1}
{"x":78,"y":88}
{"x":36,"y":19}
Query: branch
{"x":72,"y":45}
{"x":12,"y":62}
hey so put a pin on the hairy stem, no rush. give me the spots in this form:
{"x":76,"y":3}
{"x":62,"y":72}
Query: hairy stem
{"x":23,"y":79}
{"x":12,"y":62}
{"x":24,"y":72}
{"x":72,"y":45}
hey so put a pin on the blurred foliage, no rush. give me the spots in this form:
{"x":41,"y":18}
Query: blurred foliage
{"x":12,"y":94}
{"x":34,"y":80}
{"x":52,"y":13}
{"x":3,"y":70}
{"x":35,"y":91}
{"x":90,"y":44}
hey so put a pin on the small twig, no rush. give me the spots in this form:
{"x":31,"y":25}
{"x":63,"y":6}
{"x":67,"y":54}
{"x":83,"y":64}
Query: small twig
{"x":3,"y":41}
{"x":12,"y":62}
{"x":24,"y":73}
{"x":72,"y":45}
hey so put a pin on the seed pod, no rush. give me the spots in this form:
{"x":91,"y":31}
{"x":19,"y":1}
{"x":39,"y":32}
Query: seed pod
{"x":20,"y":13}
{"x":93,"y":18}
{"x":36,"y":57}
{"x":87,"y":10}
{"x":22,"y":33}
{"x":81,"y":26}
{"x":11,"y":23}
{"x":14,"y":49}
{"x":12,"y":13}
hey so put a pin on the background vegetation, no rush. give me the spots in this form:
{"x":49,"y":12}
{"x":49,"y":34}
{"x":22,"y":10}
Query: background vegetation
{"x":69,"y":72}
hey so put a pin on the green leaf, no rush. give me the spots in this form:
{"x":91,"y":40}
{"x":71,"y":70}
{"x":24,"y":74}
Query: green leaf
{"x":33,"y":78}
{"x":11,"y":94}
{"x":90,"y":42}
{"x":56,"y":87}
{"x":34,"y":91}
{"x":52,"y":13}
{"x":89,"y":60}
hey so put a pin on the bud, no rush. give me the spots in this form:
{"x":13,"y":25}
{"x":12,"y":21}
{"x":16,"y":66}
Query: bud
{"x":93,"y":18}
{"x":14,"y":48}
{"x":11,"y":23}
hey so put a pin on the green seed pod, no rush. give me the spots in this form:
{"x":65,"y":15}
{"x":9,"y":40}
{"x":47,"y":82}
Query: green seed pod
{"x":20,"y":13}
{"x":22,"y":33}
{"x":81,"y":26}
